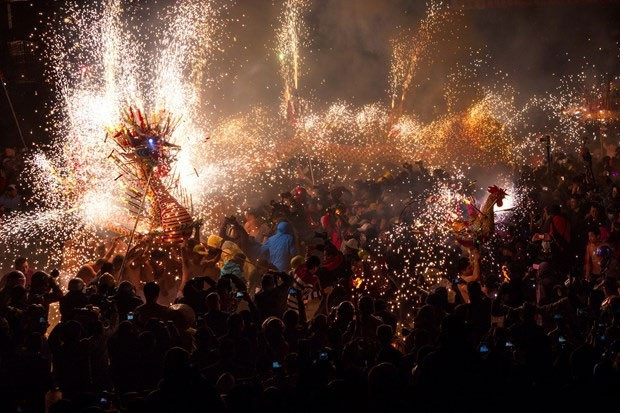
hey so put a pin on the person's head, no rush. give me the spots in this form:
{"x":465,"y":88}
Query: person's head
{"x":212,"y":302}
{"x":594,"y":235}
{"x":18,"y":296}
{"x":366,"y":305}
{"x":574,"y":203}
{"x":273,"y":327}
{"x":99,"y":264}
{"x":290,"y":318}
{"x":319,"y":323}
{"x":225,"y":383}
{"x":382,"y":380}
{"x":106,"y":283}
{"x":594,"y":211}
{"x":214,"y":243}
{"x":176,"y":362}
{"x":21,"y":264}
{"x":284,"y":228}
{"x":385,"y":334}
{"x":86,"y":273}
{"x":345,"y":311}
{"x":313,"y":263}
{"x":151,"y":292}
{"x":117,"y":261}
{"x":235,"y":323}
{"x":106,"y":267}
{"x":126,"y":288}
{"x":232,"y":229}
{"x":39,"y":281}
{"x":75,"y":285}
{"x":297,"y":261}
{"x":267,"y":282}
{"x":15,"y":278}
{"x":223,"y":286}
{"x":554,"y":210}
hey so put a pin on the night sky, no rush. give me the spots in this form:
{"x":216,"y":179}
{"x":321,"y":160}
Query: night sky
{"x":348,"y":53}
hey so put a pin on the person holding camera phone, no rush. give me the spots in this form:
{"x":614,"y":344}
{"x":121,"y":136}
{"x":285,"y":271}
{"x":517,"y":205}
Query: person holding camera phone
{"x":44,"y":289}
{"x":271,"y":300}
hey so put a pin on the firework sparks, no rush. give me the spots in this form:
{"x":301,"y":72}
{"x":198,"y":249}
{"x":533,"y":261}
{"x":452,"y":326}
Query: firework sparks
{"x":290,"y":39}
{"x":102,"y":62}
{"x":409,"y":49}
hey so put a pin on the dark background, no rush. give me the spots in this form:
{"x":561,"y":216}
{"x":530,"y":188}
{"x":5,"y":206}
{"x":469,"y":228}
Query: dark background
{"x":347,"y":55}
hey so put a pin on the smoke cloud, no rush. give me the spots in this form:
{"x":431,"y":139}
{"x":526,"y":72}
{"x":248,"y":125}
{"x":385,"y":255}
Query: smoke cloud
{"x":347,"y":52}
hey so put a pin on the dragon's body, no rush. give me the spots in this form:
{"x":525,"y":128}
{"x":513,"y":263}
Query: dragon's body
{"x":144,"y":156}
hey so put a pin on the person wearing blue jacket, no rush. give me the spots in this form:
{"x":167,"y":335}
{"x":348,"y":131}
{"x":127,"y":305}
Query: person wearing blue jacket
{"x":281,"y":247}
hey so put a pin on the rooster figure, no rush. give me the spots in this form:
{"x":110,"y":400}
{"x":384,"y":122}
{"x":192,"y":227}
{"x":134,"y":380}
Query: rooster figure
{"x":481,"y":224}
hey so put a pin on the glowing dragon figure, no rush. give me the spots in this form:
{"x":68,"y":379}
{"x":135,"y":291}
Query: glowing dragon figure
{"x":144,"y":156}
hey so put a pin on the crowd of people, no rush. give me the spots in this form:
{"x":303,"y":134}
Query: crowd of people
{"x":292,"y":307}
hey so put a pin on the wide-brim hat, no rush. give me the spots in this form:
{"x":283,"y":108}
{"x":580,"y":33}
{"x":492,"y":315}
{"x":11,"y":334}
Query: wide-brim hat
{"x":352,"y":244}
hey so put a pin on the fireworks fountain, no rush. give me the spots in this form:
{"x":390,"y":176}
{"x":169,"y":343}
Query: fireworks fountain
{"x":101,"y":64}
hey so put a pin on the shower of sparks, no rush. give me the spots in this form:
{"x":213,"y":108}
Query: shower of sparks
{"x":100,"y":62}
{"x":411,"y":48}
{"x":290,"y":39}
{"x":104,"y":58}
